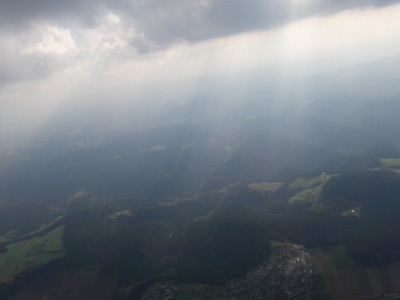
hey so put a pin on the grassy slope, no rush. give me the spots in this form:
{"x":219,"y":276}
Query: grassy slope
{"x":265,"y":186}
{"x":31,"y":253}
{"x":390,"y":162}
{"x":310,"y":187}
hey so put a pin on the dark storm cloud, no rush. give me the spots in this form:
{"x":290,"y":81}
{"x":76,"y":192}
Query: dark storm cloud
{"x":17,"y":14}
{"x":164,"y":22}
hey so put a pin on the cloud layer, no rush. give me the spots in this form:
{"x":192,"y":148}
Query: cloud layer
{"x":56,"y":53}
{"x":160,"y":23}
{"x":39,"y":38}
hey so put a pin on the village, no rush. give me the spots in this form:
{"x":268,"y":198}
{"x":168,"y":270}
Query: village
{"x":286,"y":275}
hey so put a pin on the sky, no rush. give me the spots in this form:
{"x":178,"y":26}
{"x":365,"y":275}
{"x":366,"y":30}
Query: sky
{"x":58,"y":54}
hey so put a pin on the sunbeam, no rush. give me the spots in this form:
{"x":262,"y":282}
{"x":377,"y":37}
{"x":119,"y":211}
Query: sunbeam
{"x":202,"y":149}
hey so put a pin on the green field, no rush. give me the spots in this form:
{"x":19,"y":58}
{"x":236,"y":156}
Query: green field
{"x":301,"y":183}
{"x":341,"y":257}
{"x":275,"y":244}
{"x":265,"y":186}
{"x":307,"y":182}
{"x":390,"y":162}
{"x":334,"y":270}
{"x":311,"y":188}
{"x":31,"y":253}
{"x":307,"y":195}
{"x":332,"y":258}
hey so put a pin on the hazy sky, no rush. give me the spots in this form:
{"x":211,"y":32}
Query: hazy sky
{"x":55,"y":52}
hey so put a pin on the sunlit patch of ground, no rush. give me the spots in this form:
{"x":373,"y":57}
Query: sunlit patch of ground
{"x":311,"y":188}
{"x":31,"y":253}
{"x":265,"y":186}
{"x":307,"y":195}
{"x":126,"y":213}
{"x":354,"y":212}
{"x":390,"y":162}
{"x":306,"y":182}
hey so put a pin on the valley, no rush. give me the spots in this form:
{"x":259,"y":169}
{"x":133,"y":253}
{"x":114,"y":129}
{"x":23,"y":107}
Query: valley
{"x":247,"y":192}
